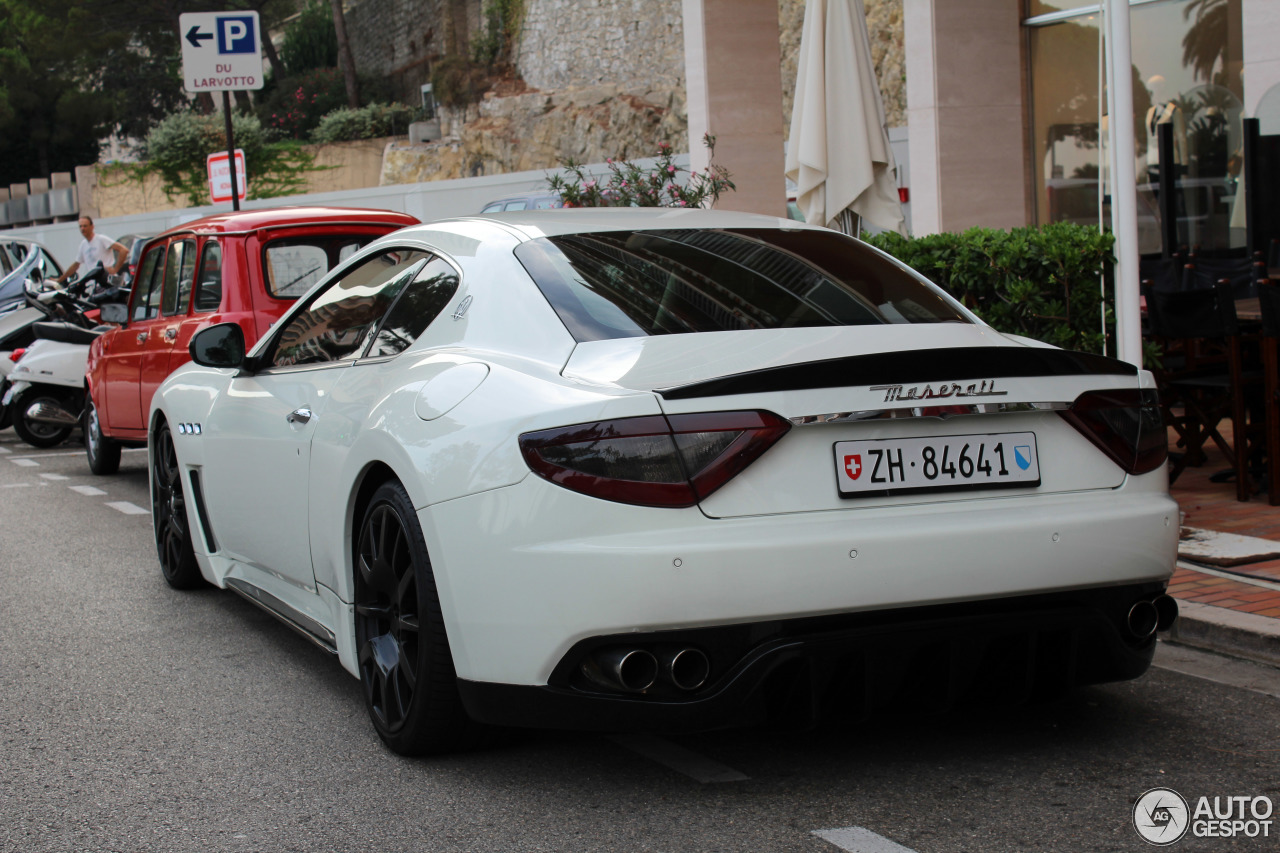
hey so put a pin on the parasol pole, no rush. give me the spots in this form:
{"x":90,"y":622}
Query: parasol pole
{"x":1124,"y":182}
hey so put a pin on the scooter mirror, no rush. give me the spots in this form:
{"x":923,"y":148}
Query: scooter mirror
{"x":114,"y":312}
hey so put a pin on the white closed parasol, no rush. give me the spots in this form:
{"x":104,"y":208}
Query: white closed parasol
{"x":838,"y":154}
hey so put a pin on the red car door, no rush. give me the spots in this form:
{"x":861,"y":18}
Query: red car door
{"x":175,"y":303}
{"x":123,"y":349}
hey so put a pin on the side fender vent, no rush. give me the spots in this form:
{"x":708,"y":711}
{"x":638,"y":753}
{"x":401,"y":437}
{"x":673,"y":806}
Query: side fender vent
{"x":197,"y":493}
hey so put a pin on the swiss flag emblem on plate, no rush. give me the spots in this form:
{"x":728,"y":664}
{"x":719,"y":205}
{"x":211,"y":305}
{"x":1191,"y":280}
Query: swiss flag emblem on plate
{"x":853,"y":465}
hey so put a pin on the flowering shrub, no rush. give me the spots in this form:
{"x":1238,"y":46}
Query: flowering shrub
{"x":296,"y":104}
{"x":630,"y":185}
{"x":176,"y":149}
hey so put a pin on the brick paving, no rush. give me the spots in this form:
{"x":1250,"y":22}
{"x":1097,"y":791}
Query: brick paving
{"x":1213,"y":506}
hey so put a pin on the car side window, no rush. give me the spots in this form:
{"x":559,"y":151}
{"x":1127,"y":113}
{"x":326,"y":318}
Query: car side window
{"x":209,"y":289}
{"x":419,"y":304}
{"x":338,"y":322}
{"x":146,"y":288}
{"x":179,"y":272}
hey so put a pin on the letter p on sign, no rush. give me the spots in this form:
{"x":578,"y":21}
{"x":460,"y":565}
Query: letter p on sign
{"x":236,"y":35}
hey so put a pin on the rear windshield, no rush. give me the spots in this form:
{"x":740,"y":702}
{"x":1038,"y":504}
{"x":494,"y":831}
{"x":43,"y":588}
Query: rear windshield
{"x":622,"y":284}
{"x":292,"y":265}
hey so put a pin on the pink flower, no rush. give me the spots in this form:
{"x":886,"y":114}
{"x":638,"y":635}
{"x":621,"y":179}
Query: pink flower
{"x":671,"y":170}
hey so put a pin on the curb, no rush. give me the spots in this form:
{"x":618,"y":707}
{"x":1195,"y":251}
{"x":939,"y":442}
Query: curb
{"x":1229,"y":632}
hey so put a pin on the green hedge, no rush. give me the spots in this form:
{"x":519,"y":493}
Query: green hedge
{"x":1043,"y":283}
{"x":368,"y":122}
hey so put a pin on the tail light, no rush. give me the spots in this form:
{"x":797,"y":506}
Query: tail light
{"x":1125,"y":424}
{"x":665,"y":461}
{"x":17,"y":354}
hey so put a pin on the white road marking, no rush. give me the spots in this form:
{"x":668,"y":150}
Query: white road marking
{"x":128,"y":508}
{"x":55,"y":476}
{"x":25,"y":463}
{"x":4,"y":450}
{"x":1247,"y":675}
{"x":91,"y":491}
{"x":73,"y":453}
{"x":678,"y":758}
{"x":856,"y":839}
{"x":16,"y":486}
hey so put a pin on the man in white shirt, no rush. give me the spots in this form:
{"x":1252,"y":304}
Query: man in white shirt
{"x":95,"y":249}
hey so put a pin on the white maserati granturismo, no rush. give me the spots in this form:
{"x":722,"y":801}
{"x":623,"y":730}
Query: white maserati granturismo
{"x":648,"y":469}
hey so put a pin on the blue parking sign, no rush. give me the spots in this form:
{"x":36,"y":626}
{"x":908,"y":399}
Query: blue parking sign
{"x":236,"y":34}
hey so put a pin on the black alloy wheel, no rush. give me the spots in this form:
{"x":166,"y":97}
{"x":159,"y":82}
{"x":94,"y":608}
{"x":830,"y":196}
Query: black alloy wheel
{"x":406,"y":668}
{"x":102,"y":452}
{"x":169,"y":514}
{"x":37,"y":433}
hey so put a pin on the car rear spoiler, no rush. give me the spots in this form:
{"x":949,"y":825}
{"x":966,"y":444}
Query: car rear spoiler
{"x":957,"y":364}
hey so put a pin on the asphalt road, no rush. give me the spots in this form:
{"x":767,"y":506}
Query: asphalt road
{"x":137,"y":718}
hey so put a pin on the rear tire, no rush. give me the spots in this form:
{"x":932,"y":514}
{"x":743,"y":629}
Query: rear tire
{"x":103,"y":453}
{"x":35,"y":433}
{"x":406,"y":668}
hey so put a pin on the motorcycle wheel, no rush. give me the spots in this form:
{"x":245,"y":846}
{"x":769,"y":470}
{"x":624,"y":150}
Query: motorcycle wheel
{"x":33,"y":432}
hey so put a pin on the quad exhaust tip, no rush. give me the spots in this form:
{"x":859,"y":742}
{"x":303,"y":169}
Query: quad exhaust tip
{"x":1143,"y":619}
{"x":637,"y":670}
{"x":1166,"y":612}
{"x":632,"y":670}
{"x":687,"y":669}
{"x":1147,"y":617}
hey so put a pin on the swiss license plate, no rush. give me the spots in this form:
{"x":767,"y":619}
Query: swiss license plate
{"x":937,"y":463}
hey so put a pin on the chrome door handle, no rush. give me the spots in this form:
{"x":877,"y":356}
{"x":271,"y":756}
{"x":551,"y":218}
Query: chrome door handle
{"x":170,"y":334}
{"x":299,"y":416}
{"x":142,"y":337}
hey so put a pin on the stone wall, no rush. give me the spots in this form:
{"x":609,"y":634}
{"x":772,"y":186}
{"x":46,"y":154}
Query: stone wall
{"x":637,"y":45}
{"x":398,"y":39}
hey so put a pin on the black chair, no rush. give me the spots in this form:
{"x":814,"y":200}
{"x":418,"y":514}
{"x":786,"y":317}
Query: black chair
{"x":1269,"y":302}
{"x":1211,"y":382}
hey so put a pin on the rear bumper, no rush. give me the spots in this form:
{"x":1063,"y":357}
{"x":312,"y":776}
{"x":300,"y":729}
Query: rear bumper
{"x":858,"y":665}
{"x":527,"y":572}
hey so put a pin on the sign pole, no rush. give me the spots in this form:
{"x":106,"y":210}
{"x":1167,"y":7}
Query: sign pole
{"x":231,"y":149}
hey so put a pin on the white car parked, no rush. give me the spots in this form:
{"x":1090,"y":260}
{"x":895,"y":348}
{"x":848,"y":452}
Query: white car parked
{"x":653,"y":469}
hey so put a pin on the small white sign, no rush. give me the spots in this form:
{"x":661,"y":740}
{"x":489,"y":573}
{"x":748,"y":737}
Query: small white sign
{"x":221,"y":51}
{"x":220,"y":177}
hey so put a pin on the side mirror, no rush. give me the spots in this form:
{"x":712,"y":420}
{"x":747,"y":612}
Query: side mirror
{"x":114,"y":312}
{"x":218,"y":346}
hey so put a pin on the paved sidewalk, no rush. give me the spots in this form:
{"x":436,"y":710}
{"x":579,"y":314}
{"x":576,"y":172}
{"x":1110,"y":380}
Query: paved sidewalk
{"x":1233,"y":609}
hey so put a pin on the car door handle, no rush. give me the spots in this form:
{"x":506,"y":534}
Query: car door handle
{"x":142,"y":337}
{"x":170,"y":334}
{"x":299,"y":416}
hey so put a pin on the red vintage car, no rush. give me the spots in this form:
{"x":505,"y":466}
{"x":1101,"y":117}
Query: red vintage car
{"x":246,"y":268}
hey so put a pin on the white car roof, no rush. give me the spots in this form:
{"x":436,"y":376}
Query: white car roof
{"x":532,"y":224}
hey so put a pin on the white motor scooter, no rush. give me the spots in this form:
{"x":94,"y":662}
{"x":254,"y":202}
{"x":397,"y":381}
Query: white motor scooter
{"x":45,"y":397}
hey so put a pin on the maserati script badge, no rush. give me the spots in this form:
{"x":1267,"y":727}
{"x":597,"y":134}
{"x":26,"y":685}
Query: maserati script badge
{"x":900,"y":393}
